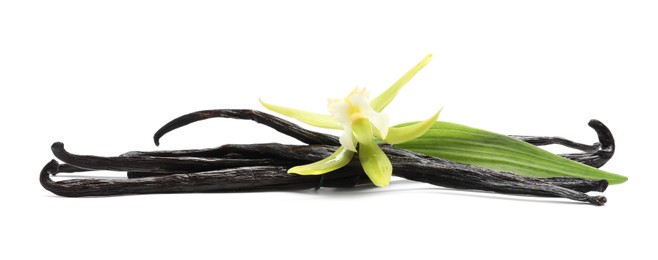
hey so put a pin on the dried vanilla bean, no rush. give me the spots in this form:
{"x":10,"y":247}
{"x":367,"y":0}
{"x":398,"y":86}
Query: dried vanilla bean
{"x":281,"y":125}
{"x":252,"y":178}
{"x":406,"y":164}
{"x":154,"y":163}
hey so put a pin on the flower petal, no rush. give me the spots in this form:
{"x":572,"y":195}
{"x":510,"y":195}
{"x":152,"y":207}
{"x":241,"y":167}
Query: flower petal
{"x":362,"y":130}
{"x":381,"y":101}
{"x":338,"y":159}
{"x":375,"y":163}
{"x":403,"y":134}
{"x":319,"y":120}
{"x":339,"y":109}
{"x":379,"y":121}
{"x":347,"y":139}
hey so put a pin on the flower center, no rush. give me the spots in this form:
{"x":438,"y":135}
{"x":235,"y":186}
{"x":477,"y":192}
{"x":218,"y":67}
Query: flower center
{"x":355,"y":109}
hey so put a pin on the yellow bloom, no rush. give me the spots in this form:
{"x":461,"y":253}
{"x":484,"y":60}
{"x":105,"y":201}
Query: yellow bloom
{"x":362,"y":121}
{"x":354,"y":109}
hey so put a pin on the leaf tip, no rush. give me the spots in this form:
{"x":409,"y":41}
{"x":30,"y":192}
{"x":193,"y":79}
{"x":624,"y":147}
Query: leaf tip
{"x":428,"y":58}
{"x":618,"y":180}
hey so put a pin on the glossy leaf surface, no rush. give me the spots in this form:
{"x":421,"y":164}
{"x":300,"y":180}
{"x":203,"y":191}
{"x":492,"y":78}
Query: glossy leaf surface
{"x":478,"y":147}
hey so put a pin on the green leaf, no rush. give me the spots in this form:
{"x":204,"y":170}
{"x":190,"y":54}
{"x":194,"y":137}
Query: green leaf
{"x":381,"y":101}
{"x":375,"y":163}
{"x":407,"y":133}
{"x":319,"y":120}
{"x":478,"y":147}
{"x":338,"y":159}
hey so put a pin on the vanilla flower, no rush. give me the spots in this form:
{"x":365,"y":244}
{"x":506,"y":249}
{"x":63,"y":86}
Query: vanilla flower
{"x":363,"y":124}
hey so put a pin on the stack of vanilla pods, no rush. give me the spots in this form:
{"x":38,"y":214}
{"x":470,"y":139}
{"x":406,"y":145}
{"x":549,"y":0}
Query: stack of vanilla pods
{"x":259,"y":167}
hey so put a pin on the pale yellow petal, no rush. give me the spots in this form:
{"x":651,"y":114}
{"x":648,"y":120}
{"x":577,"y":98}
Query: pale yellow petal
{"x":375,"y":163}
{"x":403,"y":134}
{"x":335,"y":161}
{"x":319,"y":120}
{"x":339,"y":109}
{"x":347,"y":139}
{"x":380,"y":122}
{"x":381,"y":101}
{"x":362,"y":130}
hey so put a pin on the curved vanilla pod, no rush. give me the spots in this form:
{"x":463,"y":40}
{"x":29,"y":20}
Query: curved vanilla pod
{"x":595,"y":155}
{"x":490,"y":150}
{"x":281,"y":125}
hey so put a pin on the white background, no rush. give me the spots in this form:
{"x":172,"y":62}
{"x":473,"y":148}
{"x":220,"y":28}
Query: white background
{"x":103,"y":76}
